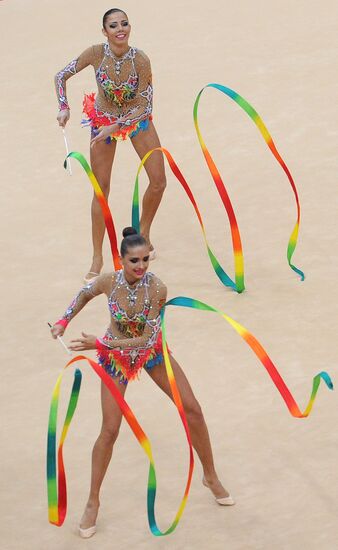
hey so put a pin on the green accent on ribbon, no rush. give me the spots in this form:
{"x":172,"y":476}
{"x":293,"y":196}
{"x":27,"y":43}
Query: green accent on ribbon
{"x":245,"y":105}
{"x":57,"y":500}
{"x":57,"y":494}
{"x":259,"y":351}
{"x":135,"y":219}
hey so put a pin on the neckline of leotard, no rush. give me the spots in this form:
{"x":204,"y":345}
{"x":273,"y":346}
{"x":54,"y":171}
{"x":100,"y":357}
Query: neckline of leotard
{"x":130,"y":54}
{"x":120,"y":280}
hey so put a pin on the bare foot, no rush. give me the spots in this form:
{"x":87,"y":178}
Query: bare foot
{"x":89,"y":515}
{"x":215,"y":487}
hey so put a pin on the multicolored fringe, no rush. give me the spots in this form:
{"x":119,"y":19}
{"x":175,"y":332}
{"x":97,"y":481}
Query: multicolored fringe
{"x":97,"y":120}
{"x":119,"y":361}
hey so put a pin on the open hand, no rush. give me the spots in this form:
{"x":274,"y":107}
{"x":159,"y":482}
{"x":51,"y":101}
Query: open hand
{"x":88,"y":341}
{"x":104,"y":133}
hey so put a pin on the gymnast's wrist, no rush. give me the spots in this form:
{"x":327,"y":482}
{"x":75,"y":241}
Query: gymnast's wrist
{"x":63,"y":322}
{"x":101,"y":345}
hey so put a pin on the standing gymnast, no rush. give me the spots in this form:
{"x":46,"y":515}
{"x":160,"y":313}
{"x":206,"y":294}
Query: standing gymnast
{"x":133,"y":341}
{"x":121,"y":108}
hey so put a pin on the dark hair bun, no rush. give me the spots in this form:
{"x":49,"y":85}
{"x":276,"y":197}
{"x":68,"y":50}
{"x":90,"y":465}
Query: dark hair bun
{"x":129,"y":231}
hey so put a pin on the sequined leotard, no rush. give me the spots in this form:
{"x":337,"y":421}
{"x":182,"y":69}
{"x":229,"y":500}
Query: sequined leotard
{"x":133,"y":339}
{"x":124,"y":89}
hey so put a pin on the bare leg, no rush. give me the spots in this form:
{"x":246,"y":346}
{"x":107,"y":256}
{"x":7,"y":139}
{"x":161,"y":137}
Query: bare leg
{"x":143,"y":142}
{"x":197,"y":426}
{"x":101,"y":158}
{"x":102,"y":451}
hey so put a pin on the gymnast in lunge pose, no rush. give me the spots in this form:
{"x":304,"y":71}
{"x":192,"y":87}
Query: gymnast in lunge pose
{"x":133,"y":341}
{"x":122,"y":108}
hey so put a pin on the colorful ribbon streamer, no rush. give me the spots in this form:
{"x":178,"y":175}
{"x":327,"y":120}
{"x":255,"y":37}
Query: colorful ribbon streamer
{"x":238,"y":284}
{"x":225,"y":279}
{"x":237,"y":248}
{"x":57,"y":492}
{"x":104,"y":206}
{"x":258,"y":349}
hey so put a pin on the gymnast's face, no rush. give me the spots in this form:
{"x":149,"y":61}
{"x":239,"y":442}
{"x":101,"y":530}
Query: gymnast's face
{"x":135,"y":263}
{"x":117,"y":29}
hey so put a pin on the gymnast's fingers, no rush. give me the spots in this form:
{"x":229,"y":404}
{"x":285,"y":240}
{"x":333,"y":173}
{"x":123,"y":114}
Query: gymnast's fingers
{"x":78,"y":341}
{"x":78,"y":347}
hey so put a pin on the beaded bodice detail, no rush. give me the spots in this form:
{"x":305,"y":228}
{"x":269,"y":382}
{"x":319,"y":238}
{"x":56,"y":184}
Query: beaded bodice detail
{"x":133,"y":337}
{"x":130,"y":323}
{"x":114,"y":89}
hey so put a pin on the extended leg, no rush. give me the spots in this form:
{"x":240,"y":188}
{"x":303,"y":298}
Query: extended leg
{"x":102,"y":451}
{"x":197,"y":426}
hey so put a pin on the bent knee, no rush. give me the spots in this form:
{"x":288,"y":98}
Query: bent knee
{"x":158,"y":185}
{"x":104,"y":184}
{"x":109,"y":433}
{"x":193,"y":411}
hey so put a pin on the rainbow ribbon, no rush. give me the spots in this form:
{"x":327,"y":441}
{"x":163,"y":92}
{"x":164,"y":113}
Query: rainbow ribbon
{"x":103,"y":204}
{"x":57,"y":490}
{"x":236,"y":240}
{"x":135,"y":216}
{"x":238,"y":284}
{"x":260,"y":352}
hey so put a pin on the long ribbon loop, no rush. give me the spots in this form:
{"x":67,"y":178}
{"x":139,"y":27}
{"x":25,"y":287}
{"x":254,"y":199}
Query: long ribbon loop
{"x":260,"y":352}
{"x":57,"y":491}
{"x":222,"y":275}
{"x":108,"y":219}
{"x":57,"y":500}
{"x":245,"y":105}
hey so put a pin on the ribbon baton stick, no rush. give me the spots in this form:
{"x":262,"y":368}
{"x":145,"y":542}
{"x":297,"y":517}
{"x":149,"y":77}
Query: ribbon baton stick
{"x":69,"y":166}
{"x":62,"y":342}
